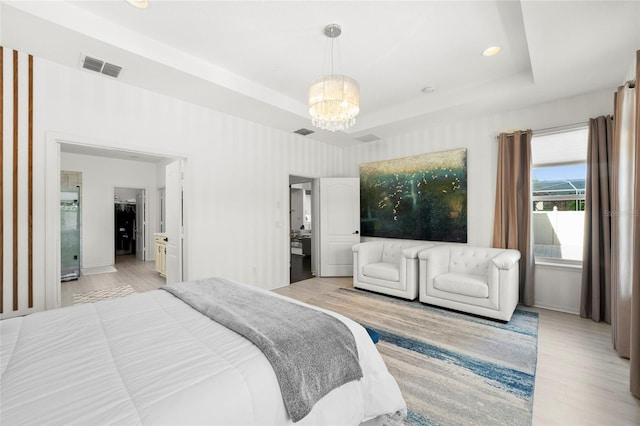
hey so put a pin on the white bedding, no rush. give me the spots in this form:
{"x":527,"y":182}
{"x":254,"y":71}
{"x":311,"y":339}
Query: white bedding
{"x":149,"y":358}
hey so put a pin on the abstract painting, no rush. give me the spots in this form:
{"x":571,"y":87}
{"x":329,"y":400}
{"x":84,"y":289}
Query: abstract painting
{"x":423,"y":197}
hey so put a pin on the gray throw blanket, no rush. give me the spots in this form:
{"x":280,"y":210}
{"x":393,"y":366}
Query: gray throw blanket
{"x":311,"y":352}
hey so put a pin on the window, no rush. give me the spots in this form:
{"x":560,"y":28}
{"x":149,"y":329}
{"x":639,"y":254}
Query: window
{"x":558,"y":194}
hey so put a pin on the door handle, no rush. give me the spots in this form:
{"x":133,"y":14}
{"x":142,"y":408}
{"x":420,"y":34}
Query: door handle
{"x":356,"y":233}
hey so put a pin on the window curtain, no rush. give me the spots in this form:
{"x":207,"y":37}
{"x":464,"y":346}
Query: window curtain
{"x":611,"y":263}
{"x":512,"y":219}
{"x":635,"y":281}
{"x":622,"y":206}
{"x":595,"y":298}
{"x":625,"y":274}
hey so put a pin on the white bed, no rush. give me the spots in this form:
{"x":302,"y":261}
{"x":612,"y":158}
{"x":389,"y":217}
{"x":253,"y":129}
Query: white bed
{"x":149,"y":358}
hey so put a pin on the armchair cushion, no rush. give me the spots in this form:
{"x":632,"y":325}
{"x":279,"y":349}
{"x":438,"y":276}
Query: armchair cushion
{"x":382,"y":271}
{"x":471,"y":261}
{"x":467,"y":285}
{"x":391,"y":253}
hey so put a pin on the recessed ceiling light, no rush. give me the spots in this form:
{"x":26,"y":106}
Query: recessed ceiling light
{"x":490,"y":51}
{"x":140,"y":4}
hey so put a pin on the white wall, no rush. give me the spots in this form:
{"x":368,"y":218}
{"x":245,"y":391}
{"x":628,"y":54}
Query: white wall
{"x":478,"y":136}
{"x":99,"y":178}
{"x":236,"y":176}
{"x":235,"y":167}
{"x":558,"y":287}
{"x":126,"y":194}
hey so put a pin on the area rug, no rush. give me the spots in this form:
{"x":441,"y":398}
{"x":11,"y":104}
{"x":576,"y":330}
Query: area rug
{"x":452,"y":368}
{"x":102,"y":294}
{"x":99,"y":270}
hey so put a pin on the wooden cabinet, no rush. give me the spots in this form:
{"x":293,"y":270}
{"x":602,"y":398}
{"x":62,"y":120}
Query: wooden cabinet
{"x":301,"y":246}
{"x":161,"y":255}
{"x":306,"y":246}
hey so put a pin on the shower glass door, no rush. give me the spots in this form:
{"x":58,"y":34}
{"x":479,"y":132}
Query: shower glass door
{"x":69,"y":234}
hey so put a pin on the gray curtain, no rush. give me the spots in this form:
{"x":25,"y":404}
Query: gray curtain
{"x":635,"y":282}
{"x":512,"y":218}
{"x":595,"y":300}
{"x":622,"y":205}
{"x":611,"y":264}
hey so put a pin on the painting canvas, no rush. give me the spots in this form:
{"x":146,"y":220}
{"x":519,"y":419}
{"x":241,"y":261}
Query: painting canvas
{"x":423,"y":197}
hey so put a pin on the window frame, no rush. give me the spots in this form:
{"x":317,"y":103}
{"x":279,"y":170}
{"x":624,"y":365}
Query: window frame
{"x":555,"y":261}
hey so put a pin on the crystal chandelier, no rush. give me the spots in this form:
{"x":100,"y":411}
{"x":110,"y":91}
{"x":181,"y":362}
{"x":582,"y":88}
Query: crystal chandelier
{"x":334,"y":99}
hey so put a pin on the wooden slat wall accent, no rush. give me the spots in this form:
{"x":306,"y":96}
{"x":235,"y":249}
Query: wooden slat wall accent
{"x":16,"y":107}
{"x":19,"y":234}
{"x":30,"y":186}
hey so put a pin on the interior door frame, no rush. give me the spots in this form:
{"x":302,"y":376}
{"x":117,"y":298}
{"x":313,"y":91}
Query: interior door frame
{"x":315,"y":236}
{"x":178,"y":234}
{"x":141,"y":210}
{"x":53,"y":142}
{"x":315,"y":245}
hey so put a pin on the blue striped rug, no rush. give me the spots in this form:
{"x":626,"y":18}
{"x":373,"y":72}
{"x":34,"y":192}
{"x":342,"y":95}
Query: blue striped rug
{"x":452,"y":368}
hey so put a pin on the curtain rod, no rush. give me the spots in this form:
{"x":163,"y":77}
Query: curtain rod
{"x":568,"y":127}
{"x":556,"y":129}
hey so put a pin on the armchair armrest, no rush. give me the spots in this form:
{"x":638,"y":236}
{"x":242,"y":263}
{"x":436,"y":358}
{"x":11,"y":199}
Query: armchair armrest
{"x":412,"y":252}
{"x":437,"y":259}
{"x":507,"y":259}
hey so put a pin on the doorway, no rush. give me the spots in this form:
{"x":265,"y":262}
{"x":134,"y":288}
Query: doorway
{"x":144,"y":170}
{"x":300,"y":229}
{"x":130,"y":234}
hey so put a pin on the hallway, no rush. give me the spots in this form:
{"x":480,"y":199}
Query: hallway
{"x":138,"y":274}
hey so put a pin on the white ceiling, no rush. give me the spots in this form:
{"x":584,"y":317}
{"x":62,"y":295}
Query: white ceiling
{"x":256,"y":59}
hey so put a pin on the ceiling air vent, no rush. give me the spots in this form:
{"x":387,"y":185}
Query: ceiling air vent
{"x":304,"y":132}
{"x":111,"y":70}
{"x":92,"y":64}
{"x":97,"y":65}
{"x":368,"y":138}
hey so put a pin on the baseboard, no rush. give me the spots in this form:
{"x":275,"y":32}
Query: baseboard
{"x":557,"y":308}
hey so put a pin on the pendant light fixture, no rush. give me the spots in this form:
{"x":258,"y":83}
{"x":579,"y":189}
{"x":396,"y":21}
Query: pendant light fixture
{"x":140,"y":4}
{"x":334,"y":99}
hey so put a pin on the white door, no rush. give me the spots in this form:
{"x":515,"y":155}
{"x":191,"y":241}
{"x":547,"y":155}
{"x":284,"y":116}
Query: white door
{"x":141,"y":231}
{"x":339,"y":225}
{"x":173,"y":221}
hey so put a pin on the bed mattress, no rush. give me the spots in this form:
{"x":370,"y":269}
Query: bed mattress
{"x":149,"y":358}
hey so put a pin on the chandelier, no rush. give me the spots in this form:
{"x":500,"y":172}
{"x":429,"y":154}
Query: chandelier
{"x":334,"y":99}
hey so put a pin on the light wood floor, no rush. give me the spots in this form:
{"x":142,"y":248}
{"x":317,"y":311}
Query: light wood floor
{"x":138,"y":274}
{"x":579,"y":379}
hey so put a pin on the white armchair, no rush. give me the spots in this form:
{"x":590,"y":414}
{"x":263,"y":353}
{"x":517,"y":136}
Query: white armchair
{"x":481,"y":281}
{"x":389,"y":267}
